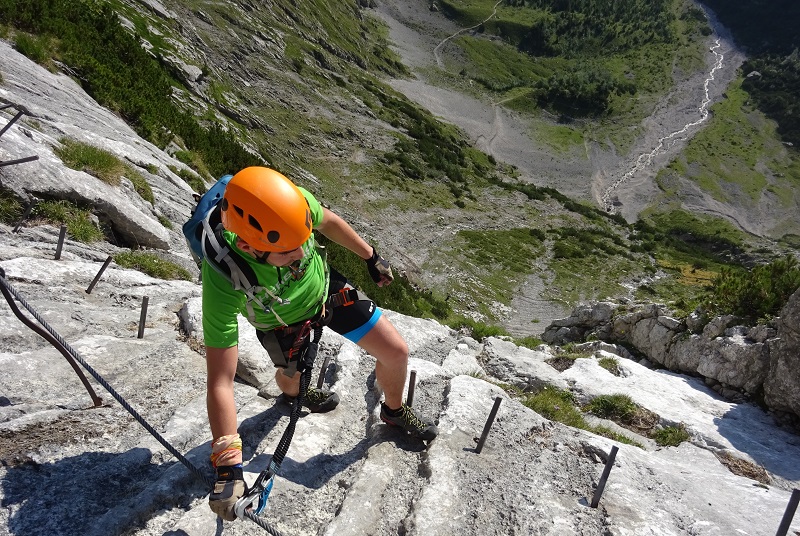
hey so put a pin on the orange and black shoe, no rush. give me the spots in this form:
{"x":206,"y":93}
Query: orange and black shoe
{"x":405,"y":418}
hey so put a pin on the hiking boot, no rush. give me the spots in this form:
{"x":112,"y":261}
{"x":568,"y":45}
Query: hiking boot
{"x":316,"y":400}
{"x":406,"y":419}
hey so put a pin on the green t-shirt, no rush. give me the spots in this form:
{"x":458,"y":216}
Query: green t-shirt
{"x":302,"y":295}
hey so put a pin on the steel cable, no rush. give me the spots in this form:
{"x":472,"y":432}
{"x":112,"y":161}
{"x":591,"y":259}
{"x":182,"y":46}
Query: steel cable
{"x":189,"y":465}
{"x":57,"y":340}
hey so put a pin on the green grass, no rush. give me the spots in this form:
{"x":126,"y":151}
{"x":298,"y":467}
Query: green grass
{"x":191,"y":178}
{"x":37,"y":48}
{"x":500,"y":67}
{"x":78,"y":220}
{"x":152,"y":265}
{"x":727,"y":158}
{"x":500,"y":260}
{"x":671,"y":436}
{"x":165,"y":222}
{"x":11,"y":208}
{"x":592,"y":277}
{"x":566,"y":359}
{"x":102,"y":164}
{"x":195,"y":161}
{"x":529,"y":342}
{"x":90,"y":159}
{"x":558,"y":405}
{"x":478,"y":330}
{"x":562,"y":138}
{"x":617,"y":407}
{"x":140,"y":184}
{"x":610,"y":364}
{"x":401,"y":296}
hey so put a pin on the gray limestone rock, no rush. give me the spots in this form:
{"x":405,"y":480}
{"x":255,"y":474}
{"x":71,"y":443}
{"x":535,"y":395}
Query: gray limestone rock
{"x":782,"y":384}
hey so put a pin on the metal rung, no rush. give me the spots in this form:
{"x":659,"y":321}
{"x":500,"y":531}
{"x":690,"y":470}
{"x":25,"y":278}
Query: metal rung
{"x":18,"y":161}
{"x":13,"y":120}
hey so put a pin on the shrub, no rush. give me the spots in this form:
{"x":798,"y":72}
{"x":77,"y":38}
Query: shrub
{"x":756,"y":294}
{"x":152,"y":265}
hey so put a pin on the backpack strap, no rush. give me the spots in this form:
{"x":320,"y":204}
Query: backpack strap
{"x":217,"y":251}
{"x":235,"y":269}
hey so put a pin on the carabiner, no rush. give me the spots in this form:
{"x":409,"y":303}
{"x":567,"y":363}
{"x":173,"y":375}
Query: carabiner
{"x":259,"y":490}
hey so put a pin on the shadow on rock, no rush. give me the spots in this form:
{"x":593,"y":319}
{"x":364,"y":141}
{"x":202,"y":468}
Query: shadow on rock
{"x":774,"y":449}
{"x":71,"y":495}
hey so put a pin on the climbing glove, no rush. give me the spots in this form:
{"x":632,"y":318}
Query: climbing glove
{"x":228,"y":488}
{"x":379,"y":269}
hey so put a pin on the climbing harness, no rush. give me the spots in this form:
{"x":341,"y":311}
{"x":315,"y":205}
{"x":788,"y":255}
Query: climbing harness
{"x":57,"y":341}
{"x":262,"y":486}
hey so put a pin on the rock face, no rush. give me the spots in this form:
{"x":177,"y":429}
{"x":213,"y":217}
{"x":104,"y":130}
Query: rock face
{"x":734,"y":359}
{"x":58,"y":109}
{"x":350,"y":473}
{"x":782,"y":383}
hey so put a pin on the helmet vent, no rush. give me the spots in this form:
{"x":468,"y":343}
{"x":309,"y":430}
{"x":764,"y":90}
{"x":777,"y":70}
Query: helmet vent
{"x":254,"y":222}
{"x":239,"y":211}
{"x":273,"y":236}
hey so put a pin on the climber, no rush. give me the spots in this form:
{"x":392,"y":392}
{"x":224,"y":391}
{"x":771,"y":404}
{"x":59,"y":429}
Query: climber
{"x":268,"y":221}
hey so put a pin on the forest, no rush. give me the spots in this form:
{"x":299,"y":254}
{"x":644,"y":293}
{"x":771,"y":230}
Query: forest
{"x":573,"y":27}
{"x":768,"y":31}
{"x":586,"y":53}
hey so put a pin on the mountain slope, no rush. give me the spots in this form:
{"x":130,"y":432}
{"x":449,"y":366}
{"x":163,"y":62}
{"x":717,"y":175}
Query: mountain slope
{"x":70,"y":468}
{"x":302,"y":88}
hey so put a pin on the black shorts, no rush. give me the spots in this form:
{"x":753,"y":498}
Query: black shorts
{"x":352,"y":321}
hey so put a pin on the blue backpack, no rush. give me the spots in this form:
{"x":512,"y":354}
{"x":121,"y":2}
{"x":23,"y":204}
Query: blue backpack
{"x":203,"y":233}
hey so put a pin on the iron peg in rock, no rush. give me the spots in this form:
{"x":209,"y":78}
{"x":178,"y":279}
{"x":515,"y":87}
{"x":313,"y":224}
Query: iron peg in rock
{"x":99,"y":274}
{"x":791,"y":508}
{"x":143,"y":316}
{"x":412,"y":383}
{"x":61,"y":235}
{"x":25,"y":215}
{"x":322,"y":370}
{"x":488,"y":426}
{"x":602,"y":484}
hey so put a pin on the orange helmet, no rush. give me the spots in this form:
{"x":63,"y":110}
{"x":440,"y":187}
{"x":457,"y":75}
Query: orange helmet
{"x":266,"y":210}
